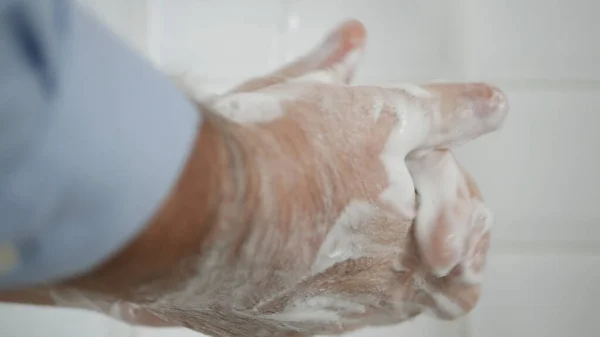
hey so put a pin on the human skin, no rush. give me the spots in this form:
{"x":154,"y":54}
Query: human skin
{"x":296,"y":213}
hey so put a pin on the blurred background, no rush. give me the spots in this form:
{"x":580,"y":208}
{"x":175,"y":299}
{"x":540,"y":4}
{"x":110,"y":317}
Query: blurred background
{"x":540,"y":174}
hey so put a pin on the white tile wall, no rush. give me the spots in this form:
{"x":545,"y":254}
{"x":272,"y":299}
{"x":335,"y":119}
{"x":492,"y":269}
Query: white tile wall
{"x":533,"y":39}
{"x":249,"y":37}
{"x":408,"y":39}
{"x":541,"y":173}
{"x":28,"y":321}
{"x":542,"y":294}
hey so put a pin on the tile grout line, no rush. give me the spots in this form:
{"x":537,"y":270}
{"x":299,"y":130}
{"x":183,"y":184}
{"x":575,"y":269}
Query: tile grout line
{"x":154,"y":30}
{"x":284,"y":30}
{"x":548,"y":85}
{"x":521,"y":84}
{"x":460,"y":39}
{"x":459,"y":46}
{"x":541,"y":248}
{"x":506,"y":84}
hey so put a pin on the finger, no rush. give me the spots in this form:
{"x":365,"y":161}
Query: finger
{"x":441,"y":115}
{"x":133,"y":314}
{"x":334,"y":60}
{"x":474,"y":258}
{"x":338,"y":55}
{"x":123,"y":311}
{"x":447,"y":300}
{"x":452,"y":224}
{"x":465,"y":112}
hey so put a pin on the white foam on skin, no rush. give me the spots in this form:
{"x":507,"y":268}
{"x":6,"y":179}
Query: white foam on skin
{"x":250,"y":107}
{"x":439,"y":182}
{"x":326,"y":76}
{"x":345,"y":241}
{"x":482,"y":217}
{"x":415,"y":90}
{"x":336,"y":74}
{"x":412,"y":127}
{"x":192,"y":87}
{"x":435,"y":174}
{"x":71,"y":298}
{"x":410,"y":88}
{"x":446,"y":305}
{"x":376,"y":110}
{"x":318,"y":309}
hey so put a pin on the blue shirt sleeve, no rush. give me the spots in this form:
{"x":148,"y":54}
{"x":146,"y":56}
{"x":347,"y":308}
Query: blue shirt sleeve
{"x":92,"y":139}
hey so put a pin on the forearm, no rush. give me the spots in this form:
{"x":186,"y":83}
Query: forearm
{"x":179,"y":236}
{"x":177,"y":231}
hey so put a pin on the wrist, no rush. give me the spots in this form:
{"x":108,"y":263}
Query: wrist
{"x":185,"y":223}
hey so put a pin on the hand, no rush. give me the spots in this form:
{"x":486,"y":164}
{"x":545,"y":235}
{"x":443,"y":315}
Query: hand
{"x":297,"y":212}
{"x":333,"y":236}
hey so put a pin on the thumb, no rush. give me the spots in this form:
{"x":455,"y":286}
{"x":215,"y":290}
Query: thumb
{"x":338,"y":55}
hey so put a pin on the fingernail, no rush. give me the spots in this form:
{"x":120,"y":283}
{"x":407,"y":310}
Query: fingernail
{"x":353,"y":32}
{"x":491,"y":104}
{"x":498,"y":101}
{"x":445,"y":248}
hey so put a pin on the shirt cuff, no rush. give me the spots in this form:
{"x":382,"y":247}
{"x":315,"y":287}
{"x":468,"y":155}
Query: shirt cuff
{"x":117,"y":136}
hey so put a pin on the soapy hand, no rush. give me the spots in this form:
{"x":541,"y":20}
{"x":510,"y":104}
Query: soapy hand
{"x":358,"y":213}
{"x":336,"y":207}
